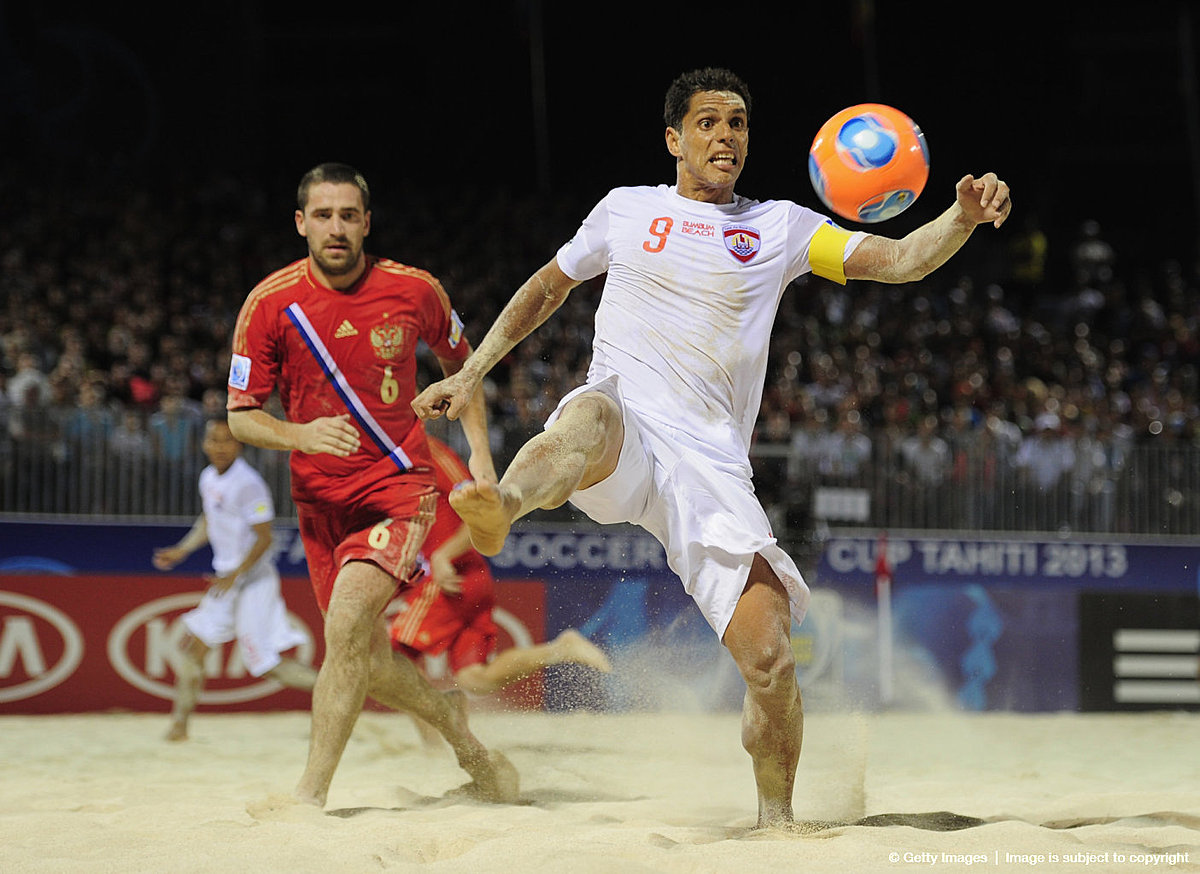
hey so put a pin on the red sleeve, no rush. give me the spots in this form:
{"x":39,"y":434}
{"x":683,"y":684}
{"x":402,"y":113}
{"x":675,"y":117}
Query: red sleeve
{"x":254,"y":365}
{"x":443,"y":329}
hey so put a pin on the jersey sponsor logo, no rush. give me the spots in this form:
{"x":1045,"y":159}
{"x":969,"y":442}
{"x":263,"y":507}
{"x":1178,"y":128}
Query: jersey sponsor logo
{"x":388,"y":340}
{"x":239,"y":371}
{"x":456,"y":330}
{"x":146,"y":644}
{"x":742,"y":241}
{"x":345,"y":329}
{"x":40,"y":646}
{"x":698,"y":229}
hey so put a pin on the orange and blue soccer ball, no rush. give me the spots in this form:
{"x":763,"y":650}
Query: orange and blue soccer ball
{"x":869,"y":162}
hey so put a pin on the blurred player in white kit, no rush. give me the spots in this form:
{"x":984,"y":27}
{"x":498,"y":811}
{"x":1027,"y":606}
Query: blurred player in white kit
{"x":659,"y":435}
{"x":243,"y":599}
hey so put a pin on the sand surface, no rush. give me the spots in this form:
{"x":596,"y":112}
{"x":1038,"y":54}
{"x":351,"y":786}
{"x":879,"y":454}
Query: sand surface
{"x":605,"y":792}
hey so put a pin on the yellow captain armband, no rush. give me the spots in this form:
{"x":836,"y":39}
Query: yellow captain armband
{"x":827,"y":251}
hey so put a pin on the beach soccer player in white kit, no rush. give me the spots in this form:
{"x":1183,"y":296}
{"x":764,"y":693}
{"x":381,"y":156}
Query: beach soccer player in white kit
{"x":243,"y":599}
{"x":659,"y":435}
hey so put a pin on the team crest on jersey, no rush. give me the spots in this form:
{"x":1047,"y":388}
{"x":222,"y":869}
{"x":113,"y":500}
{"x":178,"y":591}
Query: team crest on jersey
{"x":742,"y":241}
{"x":387,"y":340}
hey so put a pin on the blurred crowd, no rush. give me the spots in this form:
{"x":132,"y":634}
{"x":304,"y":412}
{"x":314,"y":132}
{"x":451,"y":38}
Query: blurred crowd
{"x":1043,"y":385}
{"x":117,"y":305}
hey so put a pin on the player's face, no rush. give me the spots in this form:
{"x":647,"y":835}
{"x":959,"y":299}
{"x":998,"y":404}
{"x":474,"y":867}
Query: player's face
{"x":710,"y":146}
{"x":220,"y":446}
{"x":335,"y":225}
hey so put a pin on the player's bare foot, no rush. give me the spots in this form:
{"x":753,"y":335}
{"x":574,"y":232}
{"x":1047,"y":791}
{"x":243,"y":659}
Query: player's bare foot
{"x":177,"y":732}
{"x":283,"y":808}
{"x":306,"y":793}
{"x":792,"y":827}
{"x":497,"y":781}
{"x":574,"y":647}
{"x":493,"y":778}
{"x":487,"y":512}
{"x":775,"y":815}
{"x":307,"y":799}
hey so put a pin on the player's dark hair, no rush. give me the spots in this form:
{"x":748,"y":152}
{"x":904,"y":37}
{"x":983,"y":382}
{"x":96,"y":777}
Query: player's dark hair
{"x":679,"y":95}
{"x":335,"y":173}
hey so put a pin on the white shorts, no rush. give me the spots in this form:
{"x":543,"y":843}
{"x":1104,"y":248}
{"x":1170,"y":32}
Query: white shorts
{"x":252,"y":613}
{"x":703,"y":512}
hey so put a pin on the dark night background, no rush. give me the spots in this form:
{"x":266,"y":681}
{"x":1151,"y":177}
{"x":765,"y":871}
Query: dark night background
{"x":1087,"y":113}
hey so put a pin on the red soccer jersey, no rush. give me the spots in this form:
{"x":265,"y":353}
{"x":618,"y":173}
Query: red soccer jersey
{"x":330,"y":352}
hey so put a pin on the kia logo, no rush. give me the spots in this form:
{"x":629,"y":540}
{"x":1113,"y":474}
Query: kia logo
{"x":515,"y":627}
{"x":44,"y":660}
{"x":156,"y":633}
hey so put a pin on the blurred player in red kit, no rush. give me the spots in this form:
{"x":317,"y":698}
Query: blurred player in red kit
{"x":336,"y":334}
{"x":450,"y":609}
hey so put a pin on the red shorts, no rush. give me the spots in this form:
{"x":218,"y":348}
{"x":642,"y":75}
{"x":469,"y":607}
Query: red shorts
{"x":387,"y":529}
{"x":431,"y":622}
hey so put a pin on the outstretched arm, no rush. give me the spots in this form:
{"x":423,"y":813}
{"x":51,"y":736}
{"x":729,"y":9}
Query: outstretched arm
{"x":167,"y":557}
{"x":882,"y":259}
{"x":333,"y":435}
{"x":263,"y":538}
{"x":441,"y":561}
{"x":534,"y":302}
{"x":473,"y":418}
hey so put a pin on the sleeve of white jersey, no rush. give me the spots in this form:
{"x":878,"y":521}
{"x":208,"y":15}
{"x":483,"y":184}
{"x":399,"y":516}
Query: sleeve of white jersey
{"x":586,"y":254}
{"x":257,"y":503}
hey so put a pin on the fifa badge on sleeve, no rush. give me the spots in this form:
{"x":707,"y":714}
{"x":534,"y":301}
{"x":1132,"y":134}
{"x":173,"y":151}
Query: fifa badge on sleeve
{"x":239,"y":372}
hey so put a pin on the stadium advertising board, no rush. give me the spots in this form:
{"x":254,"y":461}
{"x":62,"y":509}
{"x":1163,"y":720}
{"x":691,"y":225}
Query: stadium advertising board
{"x":1139,"y":651}
{"x":86,"y":624}
{"x":977,"y":624}
{"x":93,"y":641}
{"x":997,"y":624}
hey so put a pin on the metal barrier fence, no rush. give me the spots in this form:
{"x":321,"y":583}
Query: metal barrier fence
{"x":1142,"y":490}
{"x":57,"y":462}
{"x":72,"y":462}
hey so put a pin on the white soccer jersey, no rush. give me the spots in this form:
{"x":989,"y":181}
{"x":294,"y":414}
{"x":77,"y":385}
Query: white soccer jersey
{"x":234,"y":501}
{"x":690,"y":300}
